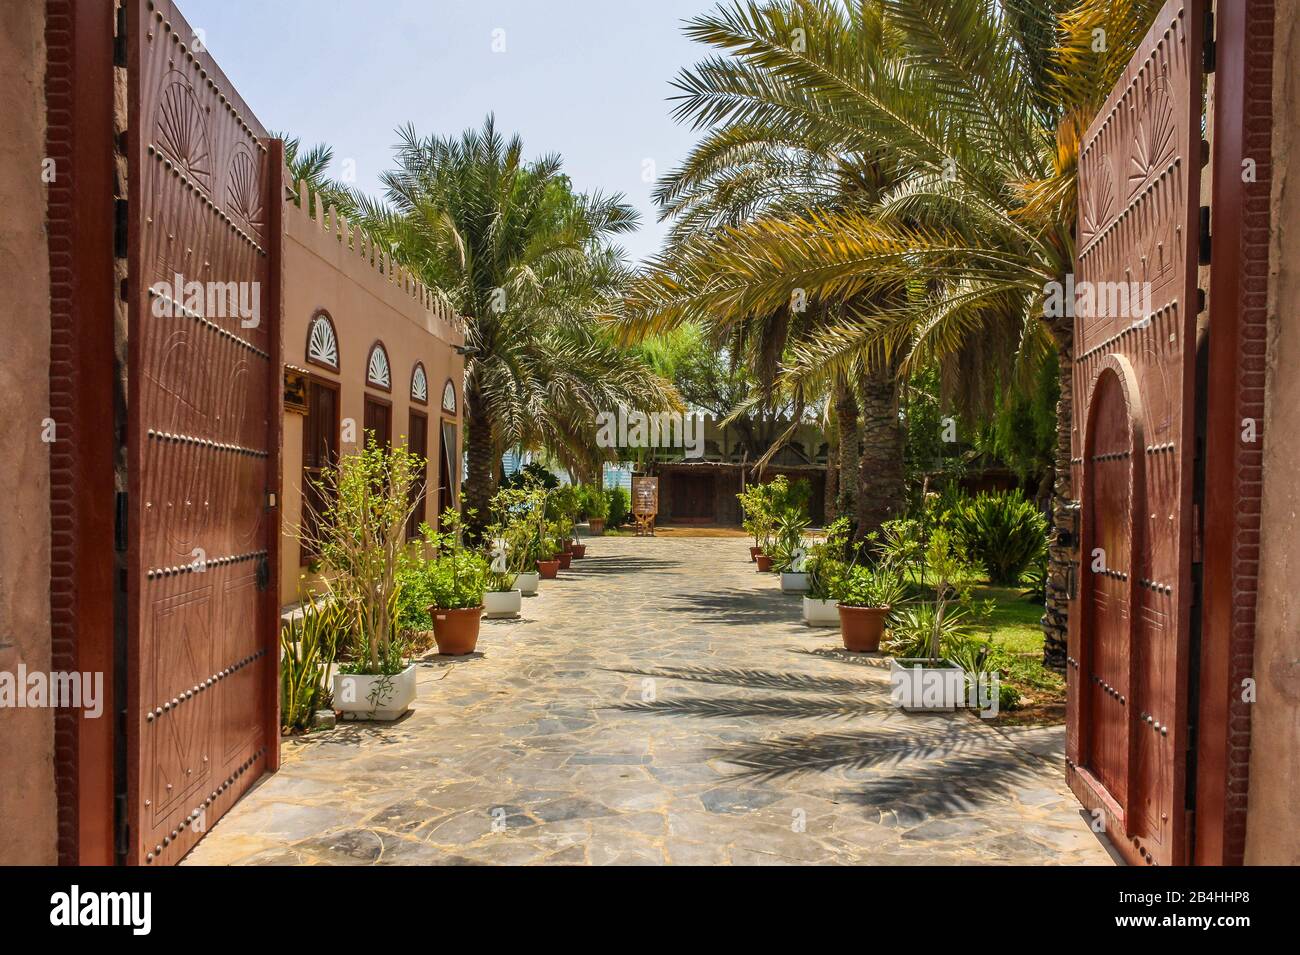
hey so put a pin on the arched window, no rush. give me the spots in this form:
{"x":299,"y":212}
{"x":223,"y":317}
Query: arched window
{"x":322,"y":342}
{"x":378,"y":372}
{"x":419,"y":384}
{"x":449,"y":398}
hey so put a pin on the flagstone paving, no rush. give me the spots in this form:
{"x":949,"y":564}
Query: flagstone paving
{"x":660,"y":703}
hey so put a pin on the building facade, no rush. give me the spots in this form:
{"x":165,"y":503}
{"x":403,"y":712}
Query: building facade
{"x":368,"y":351}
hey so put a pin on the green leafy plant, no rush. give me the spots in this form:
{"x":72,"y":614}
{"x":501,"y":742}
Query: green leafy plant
{"x":902,"y":543}
{"x":308,"y":645}
{"x":512,"y":538}
{"x":595,"y":503}
{"x":788,"y":538}
{"x":1004,"y":532}
{"x":827,"y":559}
{"x":457,"y":577}
{"x":361,"y":539}
{"x":948,"y":571}
{"x":877,"y":587}
{"x":620,"y":505}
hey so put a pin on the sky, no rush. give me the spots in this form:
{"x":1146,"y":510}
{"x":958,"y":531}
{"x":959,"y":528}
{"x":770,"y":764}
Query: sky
{"x":588,"y":79}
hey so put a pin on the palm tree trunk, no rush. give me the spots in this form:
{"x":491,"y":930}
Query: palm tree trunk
{"x":881,"y":495}
{"x":481,"y":470}
{"x":1056,"y":610}
{"x":849,"y":440}
{"x":831,"y":491}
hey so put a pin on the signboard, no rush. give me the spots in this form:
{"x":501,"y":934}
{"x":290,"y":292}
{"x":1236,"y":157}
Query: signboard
{"x":645,"y":504}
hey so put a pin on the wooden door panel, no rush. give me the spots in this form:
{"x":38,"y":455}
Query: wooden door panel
{"x":1134,"y":444}
{"x":203,"y":441}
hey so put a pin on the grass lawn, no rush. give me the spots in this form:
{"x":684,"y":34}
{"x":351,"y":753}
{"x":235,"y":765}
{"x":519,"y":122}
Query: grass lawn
{"x":1014,"y":626}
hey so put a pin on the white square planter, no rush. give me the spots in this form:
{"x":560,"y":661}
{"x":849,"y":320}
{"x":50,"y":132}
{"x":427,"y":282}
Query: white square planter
{"x":821,"y":613}
{"x":793,"y":582}
{"x":526,"y":583}
{"x":366,"y":696}
{"x":499,"y":604}
{"x":918,"y":686}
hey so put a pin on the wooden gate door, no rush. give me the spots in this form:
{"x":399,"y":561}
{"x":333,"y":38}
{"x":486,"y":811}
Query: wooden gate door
{"x":1134,"y":444}
{"x":203,"y":440}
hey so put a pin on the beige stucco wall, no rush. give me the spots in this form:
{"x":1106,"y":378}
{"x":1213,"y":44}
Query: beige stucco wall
{"x":1273,"y":819}
{"x":321,"y":270}
{"x":27,"y":795}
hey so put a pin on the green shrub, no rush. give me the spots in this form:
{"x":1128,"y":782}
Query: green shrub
{"x":870,"y":587}
{"x":620,"y":504}
{"x":1004,"y":532}
{"x":595,"y":502}
{"x":914,"y":626}
{"x":827,"y":559}
{"x":790,"y":529}
{"x":308,"y":645}
{"x":532,"y":473}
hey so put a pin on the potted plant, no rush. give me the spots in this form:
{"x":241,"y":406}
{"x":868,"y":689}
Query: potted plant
{"x":866,"y":595}
{"x":559,"y":532}
{"x":788,"y":551}
{"x":597,"y":511}
{"x":929,"y":681}
{"x":751,"y":503}
{"x":548,"y":564}
{"x":457,"y":580}
{"x":824,"y":565}
{"x":512,"y":553}
{"x":360,"y":535}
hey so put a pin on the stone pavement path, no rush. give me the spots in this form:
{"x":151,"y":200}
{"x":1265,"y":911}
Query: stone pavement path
{"x":661,"y":703}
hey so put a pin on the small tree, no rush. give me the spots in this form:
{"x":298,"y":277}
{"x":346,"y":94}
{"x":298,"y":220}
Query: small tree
{"x":361,"y":540}
{"x":947,"y":570}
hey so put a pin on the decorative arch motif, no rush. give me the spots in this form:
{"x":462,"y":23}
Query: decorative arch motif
{"x":244,"y":190}
{"x":182,"y":129}
{"x":419,"y":384}
{"x":379,"y":373}
{"x":322,"y":341}
{"x":449,"y":397}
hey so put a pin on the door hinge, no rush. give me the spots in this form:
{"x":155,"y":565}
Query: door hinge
{"x":119,"y":39}
{"x":1209,"y":50}
{"x":119,"y":523}
{"x":1205,"y":236}
{"x":123,"y":828}
{"x":1198,"y":544}
{"x":121,"y":229}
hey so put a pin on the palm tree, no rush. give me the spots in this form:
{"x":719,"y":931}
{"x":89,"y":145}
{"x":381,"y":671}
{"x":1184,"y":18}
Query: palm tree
{"x":311,"y":165}
{"x":978,"y":106}
{"x":527,"y":262}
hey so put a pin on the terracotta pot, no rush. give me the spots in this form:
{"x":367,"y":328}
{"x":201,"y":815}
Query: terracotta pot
{"x":764,"y":563}
{"x":862,"y":627}
{"x":565,"y":557}
{"x":548,"y":569}
{"x":753,"y":553}
{"x":456,"y":631}
{"x":579,"y":551}
{"x":566,"y":547}
{"x":596,"y":526}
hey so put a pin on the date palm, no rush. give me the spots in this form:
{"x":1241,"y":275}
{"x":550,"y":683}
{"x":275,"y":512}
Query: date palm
{"x":527,"y":262}
{"x":978,"y":106}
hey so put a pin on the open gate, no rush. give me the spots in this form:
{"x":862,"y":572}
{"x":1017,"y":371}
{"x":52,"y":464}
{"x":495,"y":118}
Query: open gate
{"x":203,"y":439}
{"x":1134,"y":445}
